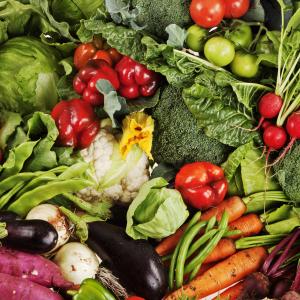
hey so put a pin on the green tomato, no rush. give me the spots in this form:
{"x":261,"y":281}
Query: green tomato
{"x":219,"y":51}
{"x":240,"y":34}
{"x":244,"y":65}
{"x":195,"y":37}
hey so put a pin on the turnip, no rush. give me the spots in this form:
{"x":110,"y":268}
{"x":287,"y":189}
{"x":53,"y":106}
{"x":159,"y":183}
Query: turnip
{"x":32,"y":267}
{"x":14,"y":288}
{"x":77,"y":262}
{"x":52,"y":214}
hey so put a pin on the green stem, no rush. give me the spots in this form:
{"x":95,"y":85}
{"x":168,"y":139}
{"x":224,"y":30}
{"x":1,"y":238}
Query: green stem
{"x":3,"y":230}
{"x":262,"y":240}
{"x":293,"y":107}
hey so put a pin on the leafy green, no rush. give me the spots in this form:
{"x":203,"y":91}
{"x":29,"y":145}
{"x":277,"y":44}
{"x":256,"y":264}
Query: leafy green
{"x":254,"y":175}
{"x":220,"y":118}
{"x":177,"y":36}
{"x":156,"y":211}
{"x":42,"y":126}
{"x":29,"y":73}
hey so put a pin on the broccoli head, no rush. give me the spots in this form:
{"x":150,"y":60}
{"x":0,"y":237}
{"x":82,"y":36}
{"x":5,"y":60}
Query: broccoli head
{"x":177,"y":138}
{"x":156,"y":15}
{"x":288,"y":173}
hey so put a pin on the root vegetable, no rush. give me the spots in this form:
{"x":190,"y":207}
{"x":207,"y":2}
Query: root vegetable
{"x":52,"y":214}
{"x":32,"y":267}
{"x":77,"y":262}
{"x":14,"y":288}
{"x":274,"y":137}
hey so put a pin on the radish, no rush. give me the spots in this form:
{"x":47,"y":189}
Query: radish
{"x":269,"y":107}
{"x":274,"y":137}
{"x":293,"y":129}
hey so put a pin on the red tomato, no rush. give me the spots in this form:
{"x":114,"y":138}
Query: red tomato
{"x":114,"y":55}
{"x":236,"y":8}
{"x":83,"y":53}
{"x":207,"y":13}
{"x":135,"y":298}
{"x":102,"y":54}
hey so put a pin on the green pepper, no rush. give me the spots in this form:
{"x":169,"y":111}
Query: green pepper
{"x":91,"y":289}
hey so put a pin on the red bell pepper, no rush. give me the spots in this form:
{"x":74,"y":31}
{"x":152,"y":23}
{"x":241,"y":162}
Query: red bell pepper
{"x":84,"y":82}
{"x":76,"y":122}
{"x":201,"y":184}
{"x":135,"y":79}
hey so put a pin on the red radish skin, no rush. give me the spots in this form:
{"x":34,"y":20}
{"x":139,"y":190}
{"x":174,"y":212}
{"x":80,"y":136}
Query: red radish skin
{"x":274,"y":137}
{"x":14,"y":288}
{"x":293,"y":130}
{"x":32,"y":267}
{"x":266,"y":124}
{"x":269,"y":107}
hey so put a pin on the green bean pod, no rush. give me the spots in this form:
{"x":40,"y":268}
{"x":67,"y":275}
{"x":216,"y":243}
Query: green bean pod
{"x":6,"y":197}
{"x":43,"y":193}
{"x":186,"y":242}
{"x":211,"y":223}
{"x":191,"y":223}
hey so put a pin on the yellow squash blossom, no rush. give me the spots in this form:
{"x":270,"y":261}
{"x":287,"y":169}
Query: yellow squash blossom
{"x":137,"y":129}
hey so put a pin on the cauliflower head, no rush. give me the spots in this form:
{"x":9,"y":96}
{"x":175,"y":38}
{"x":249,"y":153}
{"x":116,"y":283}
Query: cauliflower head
{"x":116,"y":179}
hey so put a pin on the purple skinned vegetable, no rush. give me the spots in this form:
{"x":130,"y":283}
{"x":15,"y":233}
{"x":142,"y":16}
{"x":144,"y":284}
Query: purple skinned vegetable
{"x":32,"y":267}
{"x":14,"y":288}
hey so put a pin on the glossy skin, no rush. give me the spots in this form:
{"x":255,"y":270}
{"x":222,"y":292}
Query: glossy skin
{"x":84,"y":83}
{"x":241,"y":35}
{"x":104,"y":55}
{"x":83,"y":54}
{"x":244,"y":65}
{"x":76,"y":123}
{"x":219,"y":51}
{"x":134,"y":262}
{"x":275,"y":137}
{"x":195,"y":38}
{"x":207,"y":13}
{"x":201,"y":184}
{"x":135,"y":79}
{"x":235,"y":9}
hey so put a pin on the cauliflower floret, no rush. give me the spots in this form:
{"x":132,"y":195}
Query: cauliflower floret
{"x":100,"y":155}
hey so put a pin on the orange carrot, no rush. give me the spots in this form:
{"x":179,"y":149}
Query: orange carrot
{"x":223,"y":274}
{"x":167,"y":245}
{"x":234,"y":206}
{"x":224,"y":249}
{"x":232,"y":293}
{"x":248,"y":225}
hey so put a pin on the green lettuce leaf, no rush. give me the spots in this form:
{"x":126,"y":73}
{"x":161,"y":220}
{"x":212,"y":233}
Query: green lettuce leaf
{"x":156,"y":211}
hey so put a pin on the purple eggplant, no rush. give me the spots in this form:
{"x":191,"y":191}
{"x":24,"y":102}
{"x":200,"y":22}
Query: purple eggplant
{"x":134,"y":262}
{"x":34,"y":236}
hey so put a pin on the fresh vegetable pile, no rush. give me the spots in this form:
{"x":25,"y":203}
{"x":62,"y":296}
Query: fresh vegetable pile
{"x":149,"y":149}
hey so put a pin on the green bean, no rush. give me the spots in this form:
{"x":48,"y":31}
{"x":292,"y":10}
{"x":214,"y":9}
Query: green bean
{"x":195,"y":264}
{"x":10,"y":182}
{"x":75,"y":170}
{"x":3,"y":230}
{"x":16,"y":159}
{"x":202,"y":240}
{"x":36,"y":182}
{"x":232,"y":233}
{"x":98,"y":209}
{"x":187,"y":240}
{"x":6,"y":197}
{"x":211,"y":223}
{"x":166,"y":257}
{"x":191,"y":223}
{"x":43,"y":193}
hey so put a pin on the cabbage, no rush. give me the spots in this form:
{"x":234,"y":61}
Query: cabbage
{"x":72,"y":11}
{"x":28,"y":75}
{"x":156,"y":212}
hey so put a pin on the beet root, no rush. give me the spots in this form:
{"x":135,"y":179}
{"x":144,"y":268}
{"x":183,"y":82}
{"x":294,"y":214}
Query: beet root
{"x":256,"y":286}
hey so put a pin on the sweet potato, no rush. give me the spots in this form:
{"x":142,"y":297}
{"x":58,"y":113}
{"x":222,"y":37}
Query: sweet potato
{"x":32,"y":267}
{"x":14,"y":288}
